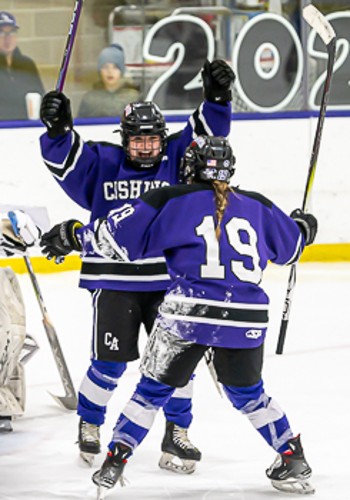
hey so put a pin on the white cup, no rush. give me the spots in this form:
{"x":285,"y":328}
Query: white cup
{"x":33,"y":102}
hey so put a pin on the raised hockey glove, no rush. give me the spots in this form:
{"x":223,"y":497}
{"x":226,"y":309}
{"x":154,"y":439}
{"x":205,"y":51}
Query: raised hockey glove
{"x":61,"y":240}
{"x":217,"y":79}
{"x":307,"y":224}
{"x":56,"y":114}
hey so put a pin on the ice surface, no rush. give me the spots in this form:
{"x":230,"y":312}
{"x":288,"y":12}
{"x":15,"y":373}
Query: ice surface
{"x":39,"y":459}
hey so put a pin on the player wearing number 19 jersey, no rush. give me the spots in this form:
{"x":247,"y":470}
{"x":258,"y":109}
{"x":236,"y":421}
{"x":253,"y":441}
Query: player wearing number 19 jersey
{"x":215,"y":296}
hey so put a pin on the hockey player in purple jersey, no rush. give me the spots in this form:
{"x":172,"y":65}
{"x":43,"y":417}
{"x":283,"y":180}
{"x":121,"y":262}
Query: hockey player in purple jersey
{"x":101,"y":177}
{"x":216,"y":242}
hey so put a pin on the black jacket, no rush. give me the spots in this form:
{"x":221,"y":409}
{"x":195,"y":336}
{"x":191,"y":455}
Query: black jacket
{"x":15,"y":82}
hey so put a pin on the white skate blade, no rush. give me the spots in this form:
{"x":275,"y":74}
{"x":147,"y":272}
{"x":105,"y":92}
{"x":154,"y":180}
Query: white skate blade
{"x":88,"y":458}
{"x":175,"y":464}
{"x":103,"y":492}
{"x":296,"y":486}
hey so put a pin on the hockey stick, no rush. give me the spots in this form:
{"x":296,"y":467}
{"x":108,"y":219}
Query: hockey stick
{"x":69,"y":45}
{"x":66,"y":58}
{"x":324,"y":29}
{"x":69,"y":400}
{"x":208,"y":356}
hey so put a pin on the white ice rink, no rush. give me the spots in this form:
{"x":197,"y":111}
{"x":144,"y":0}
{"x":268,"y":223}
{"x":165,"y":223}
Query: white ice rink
{"x":39,"y":459}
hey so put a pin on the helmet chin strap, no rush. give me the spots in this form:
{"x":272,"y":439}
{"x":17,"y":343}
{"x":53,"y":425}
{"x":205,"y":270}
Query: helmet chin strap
{"x":141,"y":163}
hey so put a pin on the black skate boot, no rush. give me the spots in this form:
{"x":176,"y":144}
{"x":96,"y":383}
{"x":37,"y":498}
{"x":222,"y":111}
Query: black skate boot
{"x":112,"y":470}
{"x":290,"y":471}
{"x":89,"y":441}
{"x":179,"y":454}
{"x":5,"y":424}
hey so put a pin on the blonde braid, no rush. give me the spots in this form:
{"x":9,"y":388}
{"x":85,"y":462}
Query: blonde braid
{"x":222,"y":190}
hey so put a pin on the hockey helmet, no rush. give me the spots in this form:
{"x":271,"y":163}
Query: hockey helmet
{"x":143,"y":118}
{"x":208,"y":158}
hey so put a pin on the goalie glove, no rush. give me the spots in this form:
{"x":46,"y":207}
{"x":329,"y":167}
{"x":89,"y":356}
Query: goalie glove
{"x":61,"y":240}
{"x":217,"y":79}
{"x":56,"y":114}
{"x":9,"y":245}
{"x":24,"y":227}
{"x":17,"y":232}
{"x":307,"y":224}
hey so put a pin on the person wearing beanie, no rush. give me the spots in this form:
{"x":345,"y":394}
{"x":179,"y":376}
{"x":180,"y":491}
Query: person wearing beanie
{"x":114,"y":54}
{"x":18,"y":73}
{"x":113,"y":91}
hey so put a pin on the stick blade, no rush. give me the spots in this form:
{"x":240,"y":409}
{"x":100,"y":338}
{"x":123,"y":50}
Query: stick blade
{"x":319,"y":23}
{"x":67,"y":402}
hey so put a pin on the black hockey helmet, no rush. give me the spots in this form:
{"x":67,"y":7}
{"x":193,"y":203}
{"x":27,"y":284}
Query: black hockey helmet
{"x":143,"y":118}
{"x":208,"y":158}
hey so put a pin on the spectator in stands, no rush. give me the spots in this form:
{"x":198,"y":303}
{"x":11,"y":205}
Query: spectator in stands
{"x":18,"y":73}
{"x":113,"y":91}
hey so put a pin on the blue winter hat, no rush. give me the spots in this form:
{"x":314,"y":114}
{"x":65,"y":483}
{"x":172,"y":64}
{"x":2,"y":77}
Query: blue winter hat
{"x":7,"y":19}
{"x":112,"y":54}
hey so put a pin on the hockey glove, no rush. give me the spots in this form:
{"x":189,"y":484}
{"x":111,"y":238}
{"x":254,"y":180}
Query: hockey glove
{"x":24,"y":227}
{"x":56,"y":114}
{"x":217,"y":79}
{"x":61,"y":240}
{"x":17,"y":233}
{"x":9,"y":243}
{"x":307,"y":224}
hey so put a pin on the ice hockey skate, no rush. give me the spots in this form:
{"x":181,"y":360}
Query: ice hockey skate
{"x":290,"y":471}
{"x":89,"y":441}
{"x":179,"y":454}
{"x":5,"y":424}
{"x":111,"y":471}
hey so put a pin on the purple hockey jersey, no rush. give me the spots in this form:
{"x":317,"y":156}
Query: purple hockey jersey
{"x":215,"y":296}
{"x":98,"y":177}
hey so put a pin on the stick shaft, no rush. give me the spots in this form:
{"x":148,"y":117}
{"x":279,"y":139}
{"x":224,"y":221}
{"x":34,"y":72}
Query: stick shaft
{"x":69,"y":45}
{"x":331,"y":48}
{"x":51,"y":334}
{"x":286,"y":309}
{"x":324,"y":29}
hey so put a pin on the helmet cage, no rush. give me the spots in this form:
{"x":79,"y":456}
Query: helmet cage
{"x":208,"y":159}
{"x":143,"y":118}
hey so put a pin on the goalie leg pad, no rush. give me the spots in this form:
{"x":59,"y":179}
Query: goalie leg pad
{"x":12,"y":337}
{"x":17,"y":386}
{"x":9,"y":406}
